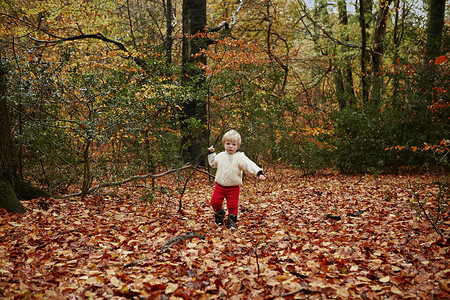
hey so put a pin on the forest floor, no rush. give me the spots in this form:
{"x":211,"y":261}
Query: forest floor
{"x":316,"y":237}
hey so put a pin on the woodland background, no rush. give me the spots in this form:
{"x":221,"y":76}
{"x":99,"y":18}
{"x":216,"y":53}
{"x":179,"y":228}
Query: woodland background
{"x":105,"y":95}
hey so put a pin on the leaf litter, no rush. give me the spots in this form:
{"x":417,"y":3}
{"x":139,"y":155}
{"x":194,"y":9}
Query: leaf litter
{"x":317,"y":237}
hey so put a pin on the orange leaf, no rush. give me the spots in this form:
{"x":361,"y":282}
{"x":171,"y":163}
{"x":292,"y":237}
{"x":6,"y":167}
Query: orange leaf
{"x":440,"y":60}
{"x":231,"y":258}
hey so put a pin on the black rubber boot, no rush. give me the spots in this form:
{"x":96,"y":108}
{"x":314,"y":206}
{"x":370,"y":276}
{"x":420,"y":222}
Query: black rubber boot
{"x":232,"y":222}
{"x":218,"y":217}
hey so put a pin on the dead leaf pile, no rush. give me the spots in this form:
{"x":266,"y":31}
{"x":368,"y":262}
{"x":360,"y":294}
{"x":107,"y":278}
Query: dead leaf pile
{"x":330,"y":236}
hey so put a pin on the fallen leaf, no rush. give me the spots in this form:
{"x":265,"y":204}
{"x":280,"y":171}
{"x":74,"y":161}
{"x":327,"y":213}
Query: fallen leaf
{"x":395,"y":290}
{"x":94,"y":280}
{"x":342,"y":293}
{"x":116,"y":282}
{"x":171,"y":287}
{"x":354,"y":268}
{"x":376,"y":287}
{"x":395,"y":268}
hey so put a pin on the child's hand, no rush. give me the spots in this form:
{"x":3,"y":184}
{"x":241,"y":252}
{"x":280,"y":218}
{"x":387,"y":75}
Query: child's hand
{"x":262,"y":177}
{"x":211,"y":149}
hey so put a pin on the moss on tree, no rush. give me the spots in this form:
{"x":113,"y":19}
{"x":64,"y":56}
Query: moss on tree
{"x":27,"y":191}
{"x":8,"y":198}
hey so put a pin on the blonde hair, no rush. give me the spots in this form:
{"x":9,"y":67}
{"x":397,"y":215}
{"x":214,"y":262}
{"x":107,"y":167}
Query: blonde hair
{"x":232,"y":136}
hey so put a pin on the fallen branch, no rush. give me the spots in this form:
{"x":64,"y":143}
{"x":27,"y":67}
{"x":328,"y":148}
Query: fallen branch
{"x":408,"y":261}
{"x":137,"y":177}
{"x":357,"y":213}
{"x":362,"y":177}
{"x":176,"y":240}
{"x":165,"y":247}
{"x":333,"y":217}
{"x":304,"y":291}
{"x":257,"y":259}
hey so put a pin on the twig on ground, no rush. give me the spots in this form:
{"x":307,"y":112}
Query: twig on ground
{"x":333,"y":217}
{"x":177,"y":239}
{"x":166,"y":246}
{"x":427,"y":216}
{"x":357,"y":213}
{"x":356,"y":183}
{"x":257,"y":261}
{"x":304,"y":291}
{"x":408,"y":261}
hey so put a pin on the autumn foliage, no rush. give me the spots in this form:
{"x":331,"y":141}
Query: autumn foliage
{"x":328,"y":236}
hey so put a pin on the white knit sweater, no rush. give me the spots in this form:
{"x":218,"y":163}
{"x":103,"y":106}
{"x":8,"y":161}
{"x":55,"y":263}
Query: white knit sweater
{"x":230,"y":167}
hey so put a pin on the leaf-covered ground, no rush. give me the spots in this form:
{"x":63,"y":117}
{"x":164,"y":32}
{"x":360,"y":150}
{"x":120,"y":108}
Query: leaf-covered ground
{"x":290,"y":243}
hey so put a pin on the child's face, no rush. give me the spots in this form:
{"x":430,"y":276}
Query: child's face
{"x":230,"y":147}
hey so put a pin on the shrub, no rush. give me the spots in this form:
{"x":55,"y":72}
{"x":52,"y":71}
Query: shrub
{"x":361,"y":137}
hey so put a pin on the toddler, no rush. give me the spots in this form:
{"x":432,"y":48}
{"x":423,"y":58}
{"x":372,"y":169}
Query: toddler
{"x":230,"y":164}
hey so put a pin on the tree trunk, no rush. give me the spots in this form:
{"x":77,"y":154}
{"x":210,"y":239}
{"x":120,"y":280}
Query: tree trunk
{"x":194,"y":108}
{"x":433,"y":48}
{"x":86,"y":170}
{"x":398,"y":33}
{"x":8,"y":176}
{"x":348,"y":78}
{"x":364,"y":77}
{"x":339,"y":86}
{"x":11,"y":186}
{"x":344,"y":74}
{"x":434,"y":30}
{"x":338,"y":77}
{"x":378,"y":50}
{"x":169,"y":29}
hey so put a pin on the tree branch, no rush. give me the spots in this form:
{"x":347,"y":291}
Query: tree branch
{"x":429,"y":218}
{"x":272,"y":56}
{"x":98,"y":36}
{"x":137,"y":177}
{"x":327,"y":34}
{"x":225,"y":24}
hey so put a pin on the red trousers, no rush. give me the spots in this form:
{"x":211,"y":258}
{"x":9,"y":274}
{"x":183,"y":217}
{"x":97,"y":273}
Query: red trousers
{"x":231,"y":193}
